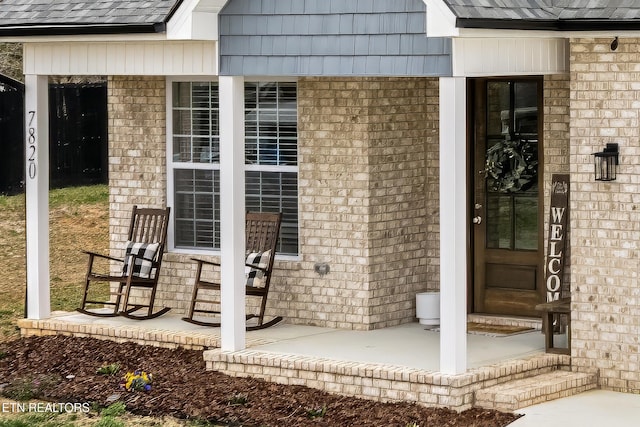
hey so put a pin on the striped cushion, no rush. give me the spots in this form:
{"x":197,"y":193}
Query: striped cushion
{"x":145,"y":255}
{"x":255,"y":277}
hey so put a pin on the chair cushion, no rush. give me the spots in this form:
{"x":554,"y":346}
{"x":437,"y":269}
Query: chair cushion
{"x":255,"y":277}
{"x":145,"y":255}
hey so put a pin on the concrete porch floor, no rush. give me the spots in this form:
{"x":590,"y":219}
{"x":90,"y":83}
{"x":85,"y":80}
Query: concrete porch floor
{"x":396,"y":363}
{"x":410,"y":345}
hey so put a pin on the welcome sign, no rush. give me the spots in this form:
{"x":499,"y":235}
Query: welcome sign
{"x":559,"y":212}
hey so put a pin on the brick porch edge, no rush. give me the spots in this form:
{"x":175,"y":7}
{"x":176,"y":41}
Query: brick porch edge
{"x":385,"y":383}
{"x":380,"y":382}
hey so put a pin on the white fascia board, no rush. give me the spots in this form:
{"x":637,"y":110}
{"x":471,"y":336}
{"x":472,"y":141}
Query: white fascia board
{"x":195,"y":20}
{"x":485,"y":33}
{"x":543,"y":34}
{"x":441,"y":22}
{"x":86,"y":38}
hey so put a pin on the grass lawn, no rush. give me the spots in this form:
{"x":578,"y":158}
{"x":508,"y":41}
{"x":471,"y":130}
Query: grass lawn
{"x":112,"y":416}
{"x":78,"y":220}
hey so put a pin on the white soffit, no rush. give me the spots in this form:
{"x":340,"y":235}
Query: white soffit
{"x":195,"y":20}
{"x":475,"y":57}
{"x":159,"y":58}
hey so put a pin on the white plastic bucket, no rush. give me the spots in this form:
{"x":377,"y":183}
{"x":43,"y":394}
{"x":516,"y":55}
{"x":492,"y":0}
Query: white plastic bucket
{"x":428,"y":308}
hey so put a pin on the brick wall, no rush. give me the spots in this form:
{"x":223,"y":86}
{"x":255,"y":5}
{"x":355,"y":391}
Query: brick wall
{"x":368,"y":193}
{"x":605,"y":226}
{"x":369,"y":204}
{"x":556,"y":150}
{"x":368,"y":196}
{"x":363,"y":199}
{"x":137,"y":170}
{"x":403,"y":118}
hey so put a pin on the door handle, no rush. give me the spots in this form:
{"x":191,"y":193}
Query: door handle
{"x":477,"y":219}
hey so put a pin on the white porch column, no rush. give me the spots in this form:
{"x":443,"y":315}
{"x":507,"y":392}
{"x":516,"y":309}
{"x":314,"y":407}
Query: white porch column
{"x":453,"y":226}
{"x":37,"y":195}
{"x":232,"y":213}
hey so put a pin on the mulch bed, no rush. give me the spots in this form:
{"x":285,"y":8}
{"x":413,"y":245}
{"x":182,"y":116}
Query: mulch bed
{"x":63,"y":369}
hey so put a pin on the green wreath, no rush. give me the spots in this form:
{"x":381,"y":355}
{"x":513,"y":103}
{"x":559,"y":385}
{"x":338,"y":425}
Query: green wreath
{"x":511,"y":166}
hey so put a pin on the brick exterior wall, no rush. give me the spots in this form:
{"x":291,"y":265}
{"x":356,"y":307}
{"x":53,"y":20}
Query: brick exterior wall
{"x":403,"y":118}
{"x":369,"y":198}
{"x":368,"y":171}
{"x":368,"y":182}
{"x":138,"y":173}
{"x":556,"y":123}
{"x":364,"y":145}
{"x":605,"y":226}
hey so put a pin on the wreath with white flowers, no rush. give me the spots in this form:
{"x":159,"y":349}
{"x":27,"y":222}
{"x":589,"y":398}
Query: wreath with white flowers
{"x":511,"y":166}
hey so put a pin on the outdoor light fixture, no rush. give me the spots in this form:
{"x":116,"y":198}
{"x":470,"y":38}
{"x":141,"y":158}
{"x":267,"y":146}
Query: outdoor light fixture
{"x":605,"y":163}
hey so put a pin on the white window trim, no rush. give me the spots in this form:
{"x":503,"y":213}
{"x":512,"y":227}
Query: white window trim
{"x":171,"y":165}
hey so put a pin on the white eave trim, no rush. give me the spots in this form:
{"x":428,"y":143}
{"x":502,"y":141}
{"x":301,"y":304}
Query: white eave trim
{"x":82,"y":38}
{"x":502,"y":33}
{"x":490,"y":56}
{"x":143,"y":58}
{"x":195,"y":20}
{"x":441,"y":22}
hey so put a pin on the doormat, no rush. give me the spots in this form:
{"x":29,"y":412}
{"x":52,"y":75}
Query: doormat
{"x":496,"y":330}
{"x":492,"y":330}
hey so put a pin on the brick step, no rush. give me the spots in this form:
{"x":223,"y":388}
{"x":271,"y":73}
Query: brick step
{"x":505,"y":320}
{"x":516,"y":394}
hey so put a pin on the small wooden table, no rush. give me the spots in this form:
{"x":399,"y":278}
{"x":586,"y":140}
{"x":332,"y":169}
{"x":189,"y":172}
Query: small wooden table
{"x":561,"y":306}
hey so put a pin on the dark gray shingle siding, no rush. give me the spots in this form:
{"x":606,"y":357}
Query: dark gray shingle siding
{"x":329,"y":37}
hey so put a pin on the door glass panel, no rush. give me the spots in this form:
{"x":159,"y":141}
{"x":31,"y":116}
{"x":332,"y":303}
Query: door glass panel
{"x":498,"y":103}
{"x":526,"y":110}
{"x":499,"y":221}
{"x":526,"y":222}
{"x":511,"y":165}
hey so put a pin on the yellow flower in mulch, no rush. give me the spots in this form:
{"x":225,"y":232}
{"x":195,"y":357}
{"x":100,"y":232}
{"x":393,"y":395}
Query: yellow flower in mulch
{"x":137,"y":381}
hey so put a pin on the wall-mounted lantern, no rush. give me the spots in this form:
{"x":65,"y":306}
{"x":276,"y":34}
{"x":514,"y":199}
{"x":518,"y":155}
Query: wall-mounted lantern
{"x":605,"y":163}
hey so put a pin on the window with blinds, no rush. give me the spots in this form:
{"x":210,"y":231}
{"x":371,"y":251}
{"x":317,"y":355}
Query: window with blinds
{"x":271,"y":152}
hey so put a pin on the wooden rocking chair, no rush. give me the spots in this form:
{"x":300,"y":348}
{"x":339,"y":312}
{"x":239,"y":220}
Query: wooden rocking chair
{"x":262,"y":231}
{"x":140,"y":266}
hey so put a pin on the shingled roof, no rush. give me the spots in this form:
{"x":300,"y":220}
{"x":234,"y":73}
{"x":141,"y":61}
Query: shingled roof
{"x":547,"y":14}
{"x":33,"y":17}
{"x":84,"y":16}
